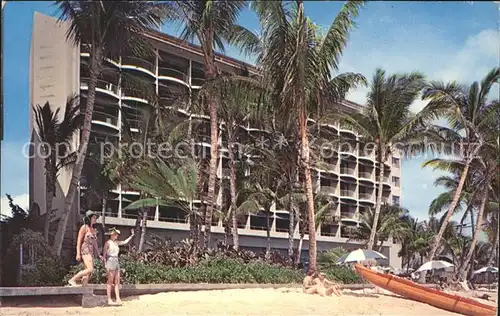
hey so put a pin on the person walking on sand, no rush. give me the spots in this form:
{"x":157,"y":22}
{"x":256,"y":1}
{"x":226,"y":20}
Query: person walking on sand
{"x":86,"y":248}
{"x":110,"y":251}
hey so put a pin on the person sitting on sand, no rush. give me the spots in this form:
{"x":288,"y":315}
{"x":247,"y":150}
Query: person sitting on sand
{"x":111,"y":251}
{"x":307,"y":284}
{"x":326,"y":286}
{"x":86,"y":248}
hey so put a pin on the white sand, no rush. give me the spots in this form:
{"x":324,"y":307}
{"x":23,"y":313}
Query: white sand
{"x":246,"y":302}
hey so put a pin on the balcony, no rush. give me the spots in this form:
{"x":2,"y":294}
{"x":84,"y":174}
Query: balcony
{"x":365,"y":196}
{"x":328,"y":189}
{"x":101,"y":117}
{"x":347,"y":170}
{"x":197,"y":82}
{"x":138,"y":63}
{"x":348,"y":214}
{"x":365,"y":174}
{"x":349,"y":193}
{"x":102,"y":86}
{"x":385,"y":179}
{"x":173,"y":73}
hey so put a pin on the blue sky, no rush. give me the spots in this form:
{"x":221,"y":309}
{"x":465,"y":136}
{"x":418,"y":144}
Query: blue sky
{"x":445,"y":40}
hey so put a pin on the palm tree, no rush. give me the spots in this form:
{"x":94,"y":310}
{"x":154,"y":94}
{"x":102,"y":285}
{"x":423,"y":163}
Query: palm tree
{"x":298,"y":65}
{"x":211,"y":23}
{"x":56,"y":135}
{"x":387,"y":122}
{"x":466,"y":109}
{"x":443,"y":200}
{"x":167,"y":185}
{"x":111,"y":29}
{"x":237,"y":98}
{"x":490,"y":167}
{"x":391,"y":224}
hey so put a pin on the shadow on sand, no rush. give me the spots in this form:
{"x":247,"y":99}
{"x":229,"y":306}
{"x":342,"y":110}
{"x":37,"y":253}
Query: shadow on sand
{"x":359,"y":294}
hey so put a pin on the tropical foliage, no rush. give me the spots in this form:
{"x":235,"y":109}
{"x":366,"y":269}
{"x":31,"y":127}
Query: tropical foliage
{"x":289,"y":96}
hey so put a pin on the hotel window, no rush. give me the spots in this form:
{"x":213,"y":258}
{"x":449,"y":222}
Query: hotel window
{"x":395,"y":162}
{"x":395,"y":200}
{"x":395,"y":181}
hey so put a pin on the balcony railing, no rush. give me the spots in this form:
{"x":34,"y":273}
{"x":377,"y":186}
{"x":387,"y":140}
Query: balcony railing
{"x":105,"y":118}
{"x":138,"y":62}
{"x":348,"y":148}
{"x":174,"y":73}
{"x":328,"y":189}
{"x":350,"y":214}
{"x":384,"y":179}
{"x":173,"y":219}
{"x":197,"y":82}
{"x":365,"y":174}
{"x":365,"y":196}
{"x":347,"y":170}
{"x":101,"y":84}
{"x":350,"y":193}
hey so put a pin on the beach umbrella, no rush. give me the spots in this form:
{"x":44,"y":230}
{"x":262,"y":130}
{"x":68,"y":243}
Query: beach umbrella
{"x":486,"y":269}
{"x":360,"y":255}
{"x":434,"y":264}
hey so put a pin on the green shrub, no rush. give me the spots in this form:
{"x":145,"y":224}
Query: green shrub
{"x":211,"y":270}
{"x":43,"y":268}
{"x":342,"y":274}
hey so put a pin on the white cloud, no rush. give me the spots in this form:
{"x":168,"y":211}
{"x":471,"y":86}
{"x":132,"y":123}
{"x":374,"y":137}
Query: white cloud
{"x":21,"y":200}
{"x":435,"y":56}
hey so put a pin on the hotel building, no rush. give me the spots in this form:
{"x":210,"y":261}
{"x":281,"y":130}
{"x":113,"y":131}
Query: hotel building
{"x":59,"y":69}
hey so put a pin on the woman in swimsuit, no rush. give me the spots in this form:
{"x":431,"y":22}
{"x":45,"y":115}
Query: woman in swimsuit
{"x":111,"y":251}
{"x":86,"y":248}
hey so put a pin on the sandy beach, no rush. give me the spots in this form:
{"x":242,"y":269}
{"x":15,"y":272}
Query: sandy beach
{"x":240,"y":302}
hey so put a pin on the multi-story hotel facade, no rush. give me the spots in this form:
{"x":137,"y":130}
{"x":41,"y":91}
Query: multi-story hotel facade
{"x":59,"y":69}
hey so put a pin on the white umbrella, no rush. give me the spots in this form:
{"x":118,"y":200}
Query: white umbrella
{"x":360,"y":255}
{"x":486,"y":269}
{"x":434,"y":264}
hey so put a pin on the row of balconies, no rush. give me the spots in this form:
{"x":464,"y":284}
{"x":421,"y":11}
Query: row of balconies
{"x":162,"y":70}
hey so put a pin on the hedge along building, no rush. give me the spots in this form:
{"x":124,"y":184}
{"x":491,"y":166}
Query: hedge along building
{"x":59,"y":69}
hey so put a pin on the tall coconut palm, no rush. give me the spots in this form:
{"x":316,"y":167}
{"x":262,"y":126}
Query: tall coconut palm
{"x":388,"y":122}
{"x":237,"y":98}
{"x":391,"y":224}
{"x":299,"y":66}
{"x":443,"y":200}
{"x":211,"y":23}
{"x":56,"y":135}
{"x":490,"y":167}
{"x":466,"y":109}
{"x":111,"y":29}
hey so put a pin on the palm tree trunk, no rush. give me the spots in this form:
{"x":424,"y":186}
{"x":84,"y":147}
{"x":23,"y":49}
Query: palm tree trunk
{"x":143,"y":229}
{"x":291,"y":227}
{"x":94,"y":70}
{"x":299,"y":246}
{"x":378,"y":202}
{"x":462,"y":272}
{"x":48,"y":206}
{"x":211,"y":73}
{"x":268,"y":236}
{"x":472,"y":221}
{"x":137,"y":228}
{"x":232,"y":191}
{"x":308,"y":188}
{"x":449,"y":214}
{"x":494,"y":250}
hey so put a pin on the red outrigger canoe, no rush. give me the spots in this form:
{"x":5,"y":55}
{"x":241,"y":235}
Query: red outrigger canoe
{"x":411,"y":290}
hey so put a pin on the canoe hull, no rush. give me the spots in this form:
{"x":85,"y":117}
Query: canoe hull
{"x":408,"y":289}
